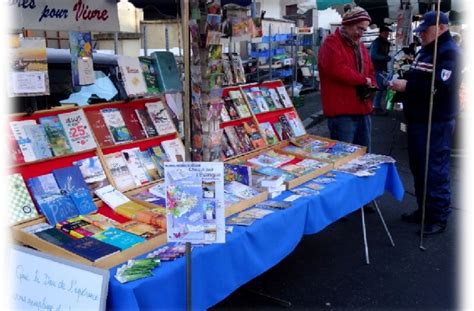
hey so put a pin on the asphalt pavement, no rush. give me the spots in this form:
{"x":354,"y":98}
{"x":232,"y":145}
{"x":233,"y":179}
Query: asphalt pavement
{"x":327,"y":270}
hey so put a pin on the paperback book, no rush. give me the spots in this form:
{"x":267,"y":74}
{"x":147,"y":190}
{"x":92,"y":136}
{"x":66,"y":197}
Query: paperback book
{"x":135,"y":166}
{"x":78,"y":130}
{"x":39,"y":141}
{"x":239,"y":173}
{"x":254,"y":134}
{"x":149,"y":74}
{"x":160,"y":118}
{"x":91,"y":248}
{"x":295,"y":123}
{"x":244,"y":138}
{"x":101,"y":132}
{"x":133,"y":124}
{"x":93,"y":173}
{"x":240,"y":190}
{"x":239,"y":104}
{"x":57,"y":137}
{"x":21,"y":207}
{"x":146,"y":123}
{"x":116,"y":125}
{"x":132,"y":75}
{"x":284,"y":97}
{"x":273,"y":171}
{"x":174,"y":149}
{"x":159,"y":157}
{"x":120,"y":173}
{"x":118,"y":238}
{"x":270,"y":158}
{"x":269,"y":133}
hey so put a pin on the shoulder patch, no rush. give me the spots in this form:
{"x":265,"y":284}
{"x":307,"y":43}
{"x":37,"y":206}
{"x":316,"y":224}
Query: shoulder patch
{"x":445,"y":74}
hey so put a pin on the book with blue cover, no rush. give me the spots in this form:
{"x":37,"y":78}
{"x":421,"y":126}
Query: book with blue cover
{"x":90,"y":248}
{"x":57,"y":137}
{"x":72,"y":184}
{"x":240,"y":173}
{"x":55,"y":206}
{"x":273,"y":171}
{"x":118,"y":238}
{"x":39,"y":140}
{"x":54,"y":236}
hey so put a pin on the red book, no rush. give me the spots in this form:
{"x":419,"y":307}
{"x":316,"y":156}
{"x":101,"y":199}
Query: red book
{"x":132,"y":123}
{"x":101,"y":131}
{"x":16,"y":157}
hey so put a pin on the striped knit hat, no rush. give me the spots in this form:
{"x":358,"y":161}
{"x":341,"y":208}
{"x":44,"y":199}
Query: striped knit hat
{"x":355,"y":15}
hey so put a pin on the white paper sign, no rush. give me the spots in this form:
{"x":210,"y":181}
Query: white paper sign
{"x":43,"y":282}
{"x":65,"y":15}
{"x":28,"y":82}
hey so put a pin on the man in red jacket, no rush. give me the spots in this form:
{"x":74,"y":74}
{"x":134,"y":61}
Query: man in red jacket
{"x":347,"y":80}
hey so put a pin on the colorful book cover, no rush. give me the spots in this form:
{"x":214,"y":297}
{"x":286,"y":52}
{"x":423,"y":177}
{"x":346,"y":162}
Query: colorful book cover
{"x":195,"y":202}
{"x":133,"y":124}
{"x":141,"y":229}
{"x":135,"y":166}
{"x":227,"y":149}
{"x":159,"y":157}
{"x":251,"y":99}
{"x":78,"y":130}
{"x":146,"y":122}
{"x":57,"y":137}
{"x":55,"y":206}
{"x":15,"y":154}
{"x":229,"y":106}
{"x":284,"y":97}
{"x":82,"y":67}
{"x":93,"y":173}
{"x":273,"y":171}
{"x":120,"y":173}
{"x":259,"y":99}
{"x":149,"y":74}
{"x":296,"y":169}
{"x":238,"y":68}
{"x":55,"y":236}
{"x":167,"y":72}
{"x":100,"y":221}
{"x":271,"y":158}
{"x":39,"y":141}
{"x":72,"y":184}
{"x":276,"y":99}
{"x":239,"y":173}
{"x":132,"y":75}
{"x":239,"y":104}
{"x":268,"y":99}
{"x":240,"y":190}
{"x":24,"y":142}
{"x":234,"y":140}
{"x":91,"y":248}
{"x":287,"y":131}
{"x":116,"y":125}
{"x":78,"y":227}
{"x":160,"y":118}
{"x":279,"y":130}
{"x":99,"y":127}
{"x":20,"y":204}
{"x":295,"y":123}
{"x":225,"y":115}
{"x":118,"y":238}
{"x":147,"y":162}
{"x":269,"y":133}
{"x":174,"y":149}
{"x":244,"y":138}
{"x":254,"y":134}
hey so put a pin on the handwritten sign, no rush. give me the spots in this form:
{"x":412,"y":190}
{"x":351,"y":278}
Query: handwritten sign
{"x":65,"y":15}
{"x":44,"y":282}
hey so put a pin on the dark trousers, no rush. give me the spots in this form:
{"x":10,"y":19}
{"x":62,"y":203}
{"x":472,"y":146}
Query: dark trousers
{"x":438,"y":192}
{"x":351,"y":129}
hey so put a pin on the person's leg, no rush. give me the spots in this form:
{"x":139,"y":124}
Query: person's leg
{"x":379,"y":95}
{"x":438,"y":198}
{"x":364,"y":132}
{"x":342,"y":128}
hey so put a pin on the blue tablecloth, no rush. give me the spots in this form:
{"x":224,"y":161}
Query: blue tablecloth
{"x":220,"y":269}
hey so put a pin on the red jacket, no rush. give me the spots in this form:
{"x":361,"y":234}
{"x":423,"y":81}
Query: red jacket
{"x":339,"y":77}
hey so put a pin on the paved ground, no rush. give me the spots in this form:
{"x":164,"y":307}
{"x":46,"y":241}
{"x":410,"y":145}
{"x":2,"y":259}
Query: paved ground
{"x":327,"y":270}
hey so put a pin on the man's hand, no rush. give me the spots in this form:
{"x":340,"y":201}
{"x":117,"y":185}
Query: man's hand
{"x":368,"y":81}
{"x":398,"y":85}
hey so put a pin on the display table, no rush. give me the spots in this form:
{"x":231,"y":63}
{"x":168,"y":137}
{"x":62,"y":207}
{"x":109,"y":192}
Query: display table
{"x":220,"y":269}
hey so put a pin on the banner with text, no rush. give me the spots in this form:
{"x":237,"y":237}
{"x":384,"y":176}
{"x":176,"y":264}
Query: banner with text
{"x":65,"y":15}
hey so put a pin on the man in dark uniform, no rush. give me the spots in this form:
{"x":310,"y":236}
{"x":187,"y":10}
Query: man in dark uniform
{"x":415,"y":89}
{"x":379,"y":54}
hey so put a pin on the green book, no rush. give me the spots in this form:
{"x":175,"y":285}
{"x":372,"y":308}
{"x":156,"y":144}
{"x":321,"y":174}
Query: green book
{"x":56,"y":135}
{"x":149,"y":74}
{"x":20,"y":202}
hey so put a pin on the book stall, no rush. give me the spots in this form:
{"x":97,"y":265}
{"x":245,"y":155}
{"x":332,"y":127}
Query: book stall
{"x":110,"y":185}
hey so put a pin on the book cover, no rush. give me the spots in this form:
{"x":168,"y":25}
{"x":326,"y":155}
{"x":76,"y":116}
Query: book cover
{"x":269,"y":133}
{"x":82,"y":68}
{"x":259,"y":99}
{"x":167,"y":72}
{"x":251,"y":99}
{"x":234,"y":140}
{"x":287,"y":130}
{"x":120,"y":173}
{"x":132,"y":75}
{"x":254,"y":135}
{"x":57,"y":137}
{"x":238,"y":68}
{"x":268,"y":99}
{"x":15,"y":154}
{"x":21,"y":207}
{"x":99,"y":127}
{"x":276,"y":99}
{"x":295,"y":123}
{"x":24,"y":142}
{"x":239,"y":104}
{"x":141,"y":229}
{"x":279,"y":130}
{"x":273,"y":171}
{"x":78,"y":227}
{"x":78,"y":130}
{"x":135,"y":166}
{"x":149,"y":165}
{"x":72,"y":184}
{"x":100,"y":221}
{"x":159,"y":157}
{"x":225,"y":115}
{"x":149,"y":74}
{"x":296,"y":169}
{"x":146,"y":123}
{"x":174,"y":149}
{"x":239,"y":173}
{"x":244,"y":138}
{"x":118,"y":238}
{"x":284,"y":97}
{"x":93,"y":173}
{"x":270,"y":158}
{"x":112,"y":197}
{"x":55,"y":206}
{"x":227,"y":149}
{"x":91,"y":248}
{"x":132,"y":123}
{"x":229,"y":106}
{"x":116,"y":125}
{"x":54,"y":236}
{"x":160,"y":118}
{"x":240,"y":190}
{"x":39,"y":140}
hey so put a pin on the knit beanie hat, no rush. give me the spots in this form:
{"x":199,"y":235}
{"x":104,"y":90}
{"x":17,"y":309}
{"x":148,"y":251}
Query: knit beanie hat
{"x":355,"y":15}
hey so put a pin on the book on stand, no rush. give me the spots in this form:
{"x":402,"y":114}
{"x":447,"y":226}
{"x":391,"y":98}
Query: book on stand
{"x":174,"y":150}
{"x":78,"y":130}
{"x":268,"y":133}
{"x":120,"y":173}
{"x":133,"y":124}
{"x":116,"y":125}
{"x":93,"y":173}
{"x":101,"y":132}
{"x":284,"y":97}
{"x":239,"y":104}
{"x":37,"y":135}
{"x":146,"y":123}
{"x":132,"y":75}
{"x":149,"y":74}
{"x":24,"y":142}
{"x":21,"y":206}
{"x":57,"y":137}
{"x":135,"y":166}
{"x":160,"y":118}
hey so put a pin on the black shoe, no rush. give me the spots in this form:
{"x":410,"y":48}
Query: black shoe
{"x":369,"y":209}
{"x":379,"y":112}
{"x":412,"y":218}
{"x":434,"y":228}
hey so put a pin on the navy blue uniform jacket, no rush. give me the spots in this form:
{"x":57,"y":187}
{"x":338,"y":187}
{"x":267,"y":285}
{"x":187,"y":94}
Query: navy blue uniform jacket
{"x":416,"y":97}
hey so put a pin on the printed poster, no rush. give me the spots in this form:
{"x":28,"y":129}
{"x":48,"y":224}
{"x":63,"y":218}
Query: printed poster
{"x":29,"y":67}
{"x":82,"y":67}
{"x":195,"y":202}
